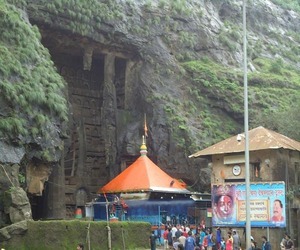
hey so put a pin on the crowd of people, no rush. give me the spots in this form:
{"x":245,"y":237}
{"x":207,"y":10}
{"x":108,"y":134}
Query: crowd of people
{"x":178,"y":237}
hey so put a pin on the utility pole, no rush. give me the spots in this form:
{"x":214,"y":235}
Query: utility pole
{"x":246,"y":128}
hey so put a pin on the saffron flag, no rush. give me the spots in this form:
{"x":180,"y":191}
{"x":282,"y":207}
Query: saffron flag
{"x":145,"y":126}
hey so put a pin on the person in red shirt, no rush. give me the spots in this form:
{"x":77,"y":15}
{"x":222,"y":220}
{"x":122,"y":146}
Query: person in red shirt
{"x":165,"y":237}
{"x":229,"y":242}
{"x":185,"y":233}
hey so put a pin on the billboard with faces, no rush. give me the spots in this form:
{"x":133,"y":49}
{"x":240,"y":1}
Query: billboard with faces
{"x":267,"y":204}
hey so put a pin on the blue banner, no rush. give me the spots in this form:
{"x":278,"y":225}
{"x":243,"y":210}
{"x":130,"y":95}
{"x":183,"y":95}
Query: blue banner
{"x":267,"y":204}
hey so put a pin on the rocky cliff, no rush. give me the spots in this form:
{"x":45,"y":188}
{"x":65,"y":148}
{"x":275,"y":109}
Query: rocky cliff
{"x":102,"y":65}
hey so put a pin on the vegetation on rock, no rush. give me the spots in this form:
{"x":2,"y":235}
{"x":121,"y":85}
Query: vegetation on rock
{"x":32,"y":92}
{"x":273,"y":90}
{"x":201,"y":93}
{"x":290,"y":5}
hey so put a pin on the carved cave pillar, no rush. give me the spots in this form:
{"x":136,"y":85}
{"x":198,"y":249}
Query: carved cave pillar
{"x":56,"y":193}
{"x":109,"y":113}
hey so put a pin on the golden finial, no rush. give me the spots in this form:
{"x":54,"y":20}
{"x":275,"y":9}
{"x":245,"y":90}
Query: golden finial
{"x":143,"y":148}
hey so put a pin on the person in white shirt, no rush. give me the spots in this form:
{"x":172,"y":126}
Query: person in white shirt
{"x":236,"y":240}
{"x":173,"y":231}
{"x":182,"y":239}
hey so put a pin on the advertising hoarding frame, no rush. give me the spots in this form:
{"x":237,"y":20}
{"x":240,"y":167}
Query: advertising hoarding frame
{"x":267,"y":204}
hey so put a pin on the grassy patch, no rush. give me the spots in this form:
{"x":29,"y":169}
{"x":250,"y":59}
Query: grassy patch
{"x":48,"y":235}
{"x":290,"y":4}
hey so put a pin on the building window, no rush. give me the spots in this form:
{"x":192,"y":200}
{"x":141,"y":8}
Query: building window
{"x":255,"y":171}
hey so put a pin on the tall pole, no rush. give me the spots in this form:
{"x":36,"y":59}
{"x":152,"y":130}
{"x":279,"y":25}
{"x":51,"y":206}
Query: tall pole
{"x":107,"y":224}
{"x":246,"y":126}
{"x":158,"y":217}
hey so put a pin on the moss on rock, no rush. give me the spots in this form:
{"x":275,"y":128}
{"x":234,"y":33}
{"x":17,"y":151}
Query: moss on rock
{"x":32,"y":91}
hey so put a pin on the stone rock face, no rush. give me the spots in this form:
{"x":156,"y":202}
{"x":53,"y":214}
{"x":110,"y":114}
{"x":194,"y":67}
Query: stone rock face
{"x":17,"y":228}
{"x":9,"y":175}
{"x":36,"y":178}
{"x":16,"y":204}
{"x":19,"y":147}
{"x":10,"y":153}
{"x":118,"y":69}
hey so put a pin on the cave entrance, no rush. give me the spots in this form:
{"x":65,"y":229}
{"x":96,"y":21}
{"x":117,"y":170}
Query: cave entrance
{"x":86,"y":66}
{"x":39,"y":204}
{"x":84,"y":153}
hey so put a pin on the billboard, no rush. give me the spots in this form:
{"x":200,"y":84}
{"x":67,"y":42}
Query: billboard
{"x":267,"y":204}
